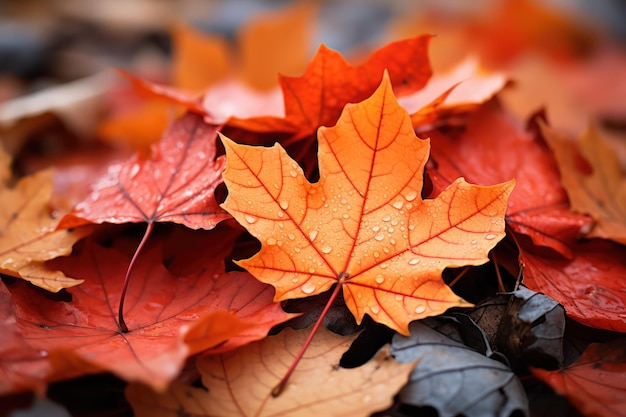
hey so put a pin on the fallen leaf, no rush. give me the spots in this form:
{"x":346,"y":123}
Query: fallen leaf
{"x":596,"y":382}
{"x":317,"y":98}
{"x":175,"y":184}
{"x":27,"y":236}
{"x":470,"y":87}
{"x":600,"y":193}
{"x":523,"y":324}
{"x":265,"y":49}
{"x":454,"y":379}
{"x":15,"y":354}
{"x":364,"y":225}
{"x":200,"y":60}
{"x":239,"y":383}
{"x":538,"y":206}
{"x":169,"y":317}
{"x":590,"y":285}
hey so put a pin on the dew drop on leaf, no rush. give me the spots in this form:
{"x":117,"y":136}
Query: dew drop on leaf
{"x":327,"y":249}
{"x":250,"y":218}
{"x":379,"y":237}
{"x":312,"y":235}
{"x":414,"y":261}
{"x":379,"y":279}
{"x":284,"y":204}
{"x":420,"y":309}
{"x":375,"y":309}
{"x":410,"y":196}
{"x":308,"y":288}
{"x":398,"y":204}
{"x":490,"y":236}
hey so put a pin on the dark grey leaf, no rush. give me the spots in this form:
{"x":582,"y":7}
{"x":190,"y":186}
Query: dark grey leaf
{"x":455,"y":379}
{"x":523,"y":324}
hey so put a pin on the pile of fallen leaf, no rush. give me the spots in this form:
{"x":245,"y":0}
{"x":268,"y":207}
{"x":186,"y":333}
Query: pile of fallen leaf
{"x":447,"y":252}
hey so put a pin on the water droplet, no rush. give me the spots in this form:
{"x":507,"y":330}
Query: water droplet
{"x":398,"y":204}
{"x":474,"y":241}
{"x":293,"y":173}
{"x":327,"y":249}
{"x":420,"y":309}
{"x":291,"y":236}
{"x":280,"y":214}
{"x":376,"y":254}
{"x":414,"y":261}
{"x":375,"y":229}
{"x":308,"y":288}
{"x":379,"y":237}
{"x":386,"y":218}
{"x":379,"y":279}
{"x":383,"y":265}
{"x":392,"y":241}
{"x":345,"y":215}
{"x":359,"y":296}
{"x":375,"y":309}
{"x":398,"y":297}
{"x":271,"y":241}
{"x":410,"y":196}
{"x":284,"y":204}
{"x":134,"y":170}
{"x":296,"y":249}
{"x":312,"y":235}
{"x":294,"y":280}
{"x":250,"y":218}
{"x":490,"y":236}
{"x":344,"y":201}
{"x":276,"y":186}
{"x":312,"y":270}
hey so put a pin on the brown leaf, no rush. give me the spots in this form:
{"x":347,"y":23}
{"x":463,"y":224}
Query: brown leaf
{"x":597,"y":189}
{"x":239,"y":383}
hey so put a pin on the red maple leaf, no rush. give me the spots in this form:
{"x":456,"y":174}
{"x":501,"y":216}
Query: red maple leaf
{"x":494,"y":148}
{"x":169,"y":316}
{"x":175,"y":184}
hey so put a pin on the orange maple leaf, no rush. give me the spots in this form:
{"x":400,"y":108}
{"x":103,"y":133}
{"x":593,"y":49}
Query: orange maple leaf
{"x":364,"y":225}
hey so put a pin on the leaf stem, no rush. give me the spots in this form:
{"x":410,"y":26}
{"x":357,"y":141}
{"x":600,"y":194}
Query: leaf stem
{"x":278,"y":389}
{"x":129,"y":270}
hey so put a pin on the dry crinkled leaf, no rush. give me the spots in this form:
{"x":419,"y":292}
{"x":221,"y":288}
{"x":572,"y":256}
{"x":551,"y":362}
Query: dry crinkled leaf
{"x":363,"y":225}
{"x":523,"y":323}
{"x":454,"y":379}
{"x":239,"y":383}
{"x":27,"y":238}
{"x":597,"y":189}
{"x":596,"y":382}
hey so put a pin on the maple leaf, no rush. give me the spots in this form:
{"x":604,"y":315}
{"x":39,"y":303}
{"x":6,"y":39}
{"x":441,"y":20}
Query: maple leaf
{"x":538,"y":206}
{"x":596,"y":382}
{"x":27,"y":236}
{"x":587,"y":285}
{"x":172,"y":316}
{"x":317,"y":98}
{"x":600,"y":193}
{"x":364,"y":225}
{"x":320,"y":386}
{"x":175,"y":184}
